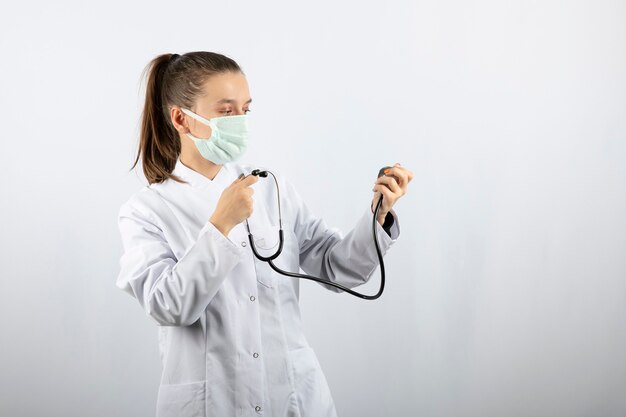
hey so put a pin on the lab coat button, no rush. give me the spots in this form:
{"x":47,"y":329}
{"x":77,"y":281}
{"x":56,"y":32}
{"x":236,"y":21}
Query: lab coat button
{"x":257,"y":408}
{"x":243,"y":244}
{"x":256,"y":355}
{"x":252,"y":298}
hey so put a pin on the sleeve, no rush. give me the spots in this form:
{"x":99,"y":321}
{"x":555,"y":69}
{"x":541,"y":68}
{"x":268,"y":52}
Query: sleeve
{"x":174,"y":292}
{"x":388,"y":223}
{"x":326,"y":253}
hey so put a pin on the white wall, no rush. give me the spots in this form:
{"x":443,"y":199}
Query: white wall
{"x":506,"y":291}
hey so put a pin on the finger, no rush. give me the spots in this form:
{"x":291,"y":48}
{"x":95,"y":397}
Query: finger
{"x":237,"y":180}
{"x":385,"y":191}
{"x":376,"y":193}
{"x":409,"y":173}
{"x":404,"y":179}
{"x":388,"y":196}
{"x":375,"y":199}
{"x":407,"y":176}
{"x":250,"y":179}
{"x":391,"y":183}
{"x":399,"y":174}
{"x":376,"y":196}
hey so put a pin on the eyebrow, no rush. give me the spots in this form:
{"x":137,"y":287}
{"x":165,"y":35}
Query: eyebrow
{"x":230,"y":100}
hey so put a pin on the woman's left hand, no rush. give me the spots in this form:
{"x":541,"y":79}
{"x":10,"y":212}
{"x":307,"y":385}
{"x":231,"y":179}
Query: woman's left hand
{"x":392,"y":185}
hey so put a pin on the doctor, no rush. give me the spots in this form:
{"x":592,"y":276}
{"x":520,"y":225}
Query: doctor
{"x":230,"y":332}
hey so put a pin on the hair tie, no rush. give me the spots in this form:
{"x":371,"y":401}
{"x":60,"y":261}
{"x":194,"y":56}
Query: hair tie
{"x":173,"y":57}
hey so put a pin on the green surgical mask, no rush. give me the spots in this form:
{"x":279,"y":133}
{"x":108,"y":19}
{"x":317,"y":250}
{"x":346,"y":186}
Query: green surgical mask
{"x":229,"y":137}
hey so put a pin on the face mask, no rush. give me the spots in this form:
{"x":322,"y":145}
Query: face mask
{"x":229,"y":137}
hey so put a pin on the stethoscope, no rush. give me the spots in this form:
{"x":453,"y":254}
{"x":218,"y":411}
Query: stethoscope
{"x":269,"y":259}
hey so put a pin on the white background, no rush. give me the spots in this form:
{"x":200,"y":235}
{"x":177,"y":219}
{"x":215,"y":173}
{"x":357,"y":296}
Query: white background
{"x":506,"y":290}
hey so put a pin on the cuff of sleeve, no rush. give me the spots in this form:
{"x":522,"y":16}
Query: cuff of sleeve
{"x":392,"y":225}
{"x":364,"y":230}
{"x":387,"y":223}
{"x":224,"y":241}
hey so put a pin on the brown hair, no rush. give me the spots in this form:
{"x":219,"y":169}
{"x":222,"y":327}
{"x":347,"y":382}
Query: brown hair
{"x":172,"y":80}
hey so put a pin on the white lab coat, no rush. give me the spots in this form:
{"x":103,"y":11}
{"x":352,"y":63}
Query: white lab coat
{"x":230,"y":333}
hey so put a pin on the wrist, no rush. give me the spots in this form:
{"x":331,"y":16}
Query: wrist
{"x":220,"y":225}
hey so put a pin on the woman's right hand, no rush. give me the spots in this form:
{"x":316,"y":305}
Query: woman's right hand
{"x":234,"y":205}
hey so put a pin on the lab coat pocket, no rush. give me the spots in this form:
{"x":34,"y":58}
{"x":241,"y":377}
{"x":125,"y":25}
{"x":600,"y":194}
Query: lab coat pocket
{"x":182,"y":400}
{"x":267,"y":241}
{"x":312,"y":390}
{"x":289,"y":259}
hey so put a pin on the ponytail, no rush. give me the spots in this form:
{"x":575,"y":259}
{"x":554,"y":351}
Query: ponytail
{"x":172,"y":80}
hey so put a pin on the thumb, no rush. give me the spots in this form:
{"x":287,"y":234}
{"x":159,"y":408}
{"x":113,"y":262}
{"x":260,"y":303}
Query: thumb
{"x":247,"y":180}
{"x":237,"y":180}
{"x":250,"y":179}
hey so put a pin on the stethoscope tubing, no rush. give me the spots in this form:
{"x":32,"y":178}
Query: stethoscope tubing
{"x":270,"y":258}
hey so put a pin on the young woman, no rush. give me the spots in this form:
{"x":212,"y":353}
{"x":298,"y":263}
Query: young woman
{"x":230,"y":333}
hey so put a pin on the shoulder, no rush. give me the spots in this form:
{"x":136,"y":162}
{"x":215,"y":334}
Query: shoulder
{"x":142,"y":203}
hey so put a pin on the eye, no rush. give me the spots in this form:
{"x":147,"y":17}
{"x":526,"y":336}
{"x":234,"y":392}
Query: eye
{"x":230,"y":111}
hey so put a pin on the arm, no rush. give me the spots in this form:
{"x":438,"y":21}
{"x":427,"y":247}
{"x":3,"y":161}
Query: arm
{"x":173,"y":292}
{"x":348,"y":260}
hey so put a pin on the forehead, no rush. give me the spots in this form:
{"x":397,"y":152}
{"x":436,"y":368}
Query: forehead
{"x":224,"y":88}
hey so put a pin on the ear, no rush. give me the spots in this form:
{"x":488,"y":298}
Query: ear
{"x":178,"y":119}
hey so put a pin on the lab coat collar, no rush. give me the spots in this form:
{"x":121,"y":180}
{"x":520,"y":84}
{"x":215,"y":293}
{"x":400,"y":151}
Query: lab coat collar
{"x":195,"y":179}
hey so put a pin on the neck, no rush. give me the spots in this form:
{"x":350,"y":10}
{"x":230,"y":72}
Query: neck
{"x":200,"y":165}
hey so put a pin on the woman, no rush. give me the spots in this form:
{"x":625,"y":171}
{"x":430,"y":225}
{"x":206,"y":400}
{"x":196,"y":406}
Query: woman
{"x":230,"y":333}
